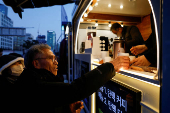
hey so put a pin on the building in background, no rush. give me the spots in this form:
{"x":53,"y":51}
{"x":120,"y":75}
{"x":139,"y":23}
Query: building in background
{"x":29,"y":37}
{"x":6,"y":42}
{"x":51,"y":39}
{"x":41,"y":39}
{"x":3,"y":9}
{"x":18,"y":43}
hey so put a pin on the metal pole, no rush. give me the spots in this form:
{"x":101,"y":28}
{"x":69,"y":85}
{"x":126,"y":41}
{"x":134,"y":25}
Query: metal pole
{"x":68,"y":53}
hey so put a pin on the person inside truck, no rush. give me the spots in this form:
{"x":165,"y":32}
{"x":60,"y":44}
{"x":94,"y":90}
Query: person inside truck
{"x":148,"y":51}
{"x":130,"y":34}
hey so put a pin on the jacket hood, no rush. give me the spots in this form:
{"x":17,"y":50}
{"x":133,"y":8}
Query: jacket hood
{"x":8,"y":60}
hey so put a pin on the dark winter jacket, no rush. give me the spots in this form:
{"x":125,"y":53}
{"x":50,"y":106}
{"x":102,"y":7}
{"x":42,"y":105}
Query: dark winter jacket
{"x":40,"y":92}
{"x":132,"y":37}
{"x":151,"y":53}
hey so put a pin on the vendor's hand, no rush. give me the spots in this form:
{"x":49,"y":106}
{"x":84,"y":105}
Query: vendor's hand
{"x":138,"y":49}
{"x":76,"y":107}
{"x":140,"y":61}
{"x":121,"y":62}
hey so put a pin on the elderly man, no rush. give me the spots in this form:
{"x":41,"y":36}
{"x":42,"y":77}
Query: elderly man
{"x":41,"y":92}
{"x":131,"y":34}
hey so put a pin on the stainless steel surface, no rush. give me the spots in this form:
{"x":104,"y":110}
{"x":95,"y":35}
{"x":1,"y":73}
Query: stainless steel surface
{"x":119,"y":38}
{"x":117,"y":44}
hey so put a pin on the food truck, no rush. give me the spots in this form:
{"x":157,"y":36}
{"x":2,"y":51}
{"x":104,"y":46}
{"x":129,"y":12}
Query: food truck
{"x":136,"y":90}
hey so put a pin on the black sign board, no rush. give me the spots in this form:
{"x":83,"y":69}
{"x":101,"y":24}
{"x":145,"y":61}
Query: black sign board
{"x":115,"y":97}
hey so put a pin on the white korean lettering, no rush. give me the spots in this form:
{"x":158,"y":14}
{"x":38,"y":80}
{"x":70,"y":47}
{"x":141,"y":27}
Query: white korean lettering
{"x":118,"y":111}
{"x":104,"y":99}
{"x":100,"y":96}
{"x":124,"y":104}
{"x":105,"y":90}
{"x":110,"y":104}
{"x":108,"y":92}
{"x":101,"y":88}
{"x":112,"y":95}
{"x":118,"y":99}
{"x":114,"y":108}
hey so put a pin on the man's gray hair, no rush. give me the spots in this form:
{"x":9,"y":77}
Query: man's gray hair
{"x":32,"y":52}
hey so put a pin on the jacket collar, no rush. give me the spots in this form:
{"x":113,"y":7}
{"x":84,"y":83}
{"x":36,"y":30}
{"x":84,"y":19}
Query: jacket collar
{"x":44,"y":75}
{"x":124,"y":31}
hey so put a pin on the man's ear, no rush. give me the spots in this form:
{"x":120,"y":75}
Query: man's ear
{"x":36,"y":64}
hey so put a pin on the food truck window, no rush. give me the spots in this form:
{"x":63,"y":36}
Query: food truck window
{"x":137,"y":13}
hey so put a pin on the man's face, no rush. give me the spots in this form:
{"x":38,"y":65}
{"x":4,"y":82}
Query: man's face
{"x":47,"y":61}
{"x":117,"y":32}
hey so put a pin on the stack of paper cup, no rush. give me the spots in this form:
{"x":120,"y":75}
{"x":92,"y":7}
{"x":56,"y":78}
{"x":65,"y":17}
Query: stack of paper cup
{"x":104,"y":54}
{"x":127,"y":54}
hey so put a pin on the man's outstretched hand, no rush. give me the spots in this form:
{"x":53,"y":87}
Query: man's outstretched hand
{"x":121,"y":62}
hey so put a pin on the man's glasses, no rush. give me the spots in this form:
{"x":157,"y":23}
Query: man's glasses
{"x":52,"y":58}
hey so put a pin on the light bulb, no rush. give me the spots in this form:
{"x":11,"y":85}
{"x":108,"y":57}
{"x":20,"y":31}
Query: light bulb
{"x":121,"y":6}
{"x":109,"y":5}
{"x":81,"y":20}
{"x":96,"y":4}
{"x":109,"y":25}
{"x":85,"y":14}
{"x":96,"y":24}
{"x":90,"y":8}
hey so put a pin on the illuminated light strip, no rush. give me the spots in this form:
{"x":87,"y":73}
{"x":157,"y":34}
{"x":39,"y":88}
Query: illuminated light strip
{"x":126,"y":84}
{"x":140,"y":80}
{"x":139,"y":74}
{"x":156,"y":31}
{"x":151,"y":108}
{"x":79,"y":25}
{"x":135,"y":73}
{"x":93,"y":103}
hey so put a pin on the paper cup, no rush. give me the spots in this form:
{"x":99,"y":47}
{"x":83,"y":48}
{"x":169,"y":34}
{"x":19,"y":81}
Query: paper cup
{"x":132,"y":58}
{"x":123,"y":54}
{"x":104,"y":54}
{"x":121,"y":50}
{"x":107,"y":59}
